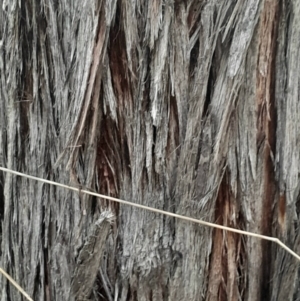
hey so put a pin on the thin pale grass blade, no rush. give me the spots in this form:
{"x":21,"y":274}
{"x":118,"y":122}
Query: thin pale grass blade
{"x":15,"y":284}
{"x":186,"y":218}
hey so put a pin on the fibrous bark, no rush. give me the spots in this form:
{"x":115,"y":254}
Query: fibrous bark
{"x":187,"y":106}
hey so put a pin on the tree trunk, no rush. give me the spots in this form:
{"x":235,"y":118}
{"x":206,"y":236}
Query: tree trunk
{"x":187,"y":106}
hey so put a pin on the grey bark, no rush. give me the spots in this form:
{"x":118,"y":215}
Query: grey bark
{"x":187,"y":106}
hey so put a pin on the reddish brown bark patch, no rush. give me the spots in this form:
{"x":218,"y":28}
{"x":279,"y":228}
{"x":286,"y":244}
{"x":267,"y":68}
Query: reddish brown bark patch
{"x":266,"y":125}
{"x":225,"y":277}
{"x":108,"y":162}
{"x":282,"y":213}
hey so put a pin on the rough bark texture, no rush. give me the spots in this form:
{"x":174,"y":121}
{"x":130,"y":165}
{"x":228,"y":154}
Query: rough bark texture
{"x":187,"y":106}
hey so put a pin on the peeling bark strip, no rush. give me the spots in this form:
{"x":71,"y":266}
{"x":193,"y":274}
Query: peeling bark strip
{"x":188,"y":106}
{"x":89,"y":259}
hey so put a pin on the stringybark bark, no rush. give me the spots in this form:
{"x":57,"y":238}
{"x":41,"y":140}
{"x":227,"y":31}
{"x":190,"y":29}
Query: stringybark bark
{"x":187,"y":106}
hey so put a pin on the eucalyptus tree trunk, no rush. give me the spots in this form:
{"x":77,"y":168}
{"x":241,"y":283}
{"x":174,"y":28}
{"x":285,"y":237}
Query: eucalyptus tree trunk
{"x":192,"y":107}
